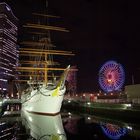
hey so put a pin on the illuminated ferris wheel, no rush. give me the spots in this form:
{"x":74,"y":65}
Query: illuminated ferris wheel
{"x":111,"y":76}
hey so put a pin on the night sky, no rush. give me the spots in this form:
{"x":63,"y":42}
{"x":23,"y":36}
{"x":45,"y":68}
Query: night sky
{"x":100,"y":30}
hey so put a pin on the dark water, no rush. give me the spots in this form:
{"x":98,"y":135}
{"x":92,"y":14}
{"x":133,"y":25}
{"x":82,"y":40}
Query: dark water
{"x":65,"y":126}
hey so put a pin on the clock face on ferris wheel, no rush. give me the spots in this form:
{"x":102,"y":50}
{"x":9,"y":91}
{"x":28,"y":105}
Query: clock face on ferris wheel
{"x":111,"y":76}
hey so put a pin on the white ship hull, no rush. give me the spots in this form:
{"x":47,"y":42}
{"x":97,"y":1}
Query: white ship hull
{"x":43,"y":101}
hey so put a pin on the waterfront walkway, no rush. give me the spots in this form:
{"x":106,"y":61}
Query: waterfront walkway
{"x":120,"y":111}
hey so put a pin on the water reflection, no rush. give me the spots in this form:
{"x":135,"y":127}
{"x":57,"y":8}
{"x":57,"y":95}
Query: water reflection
{"x":8,"y":130}
{"x":96,"y":128}
{"x":113,"y":131}
{"x":70,"y":127}
{"x":44,"y":127}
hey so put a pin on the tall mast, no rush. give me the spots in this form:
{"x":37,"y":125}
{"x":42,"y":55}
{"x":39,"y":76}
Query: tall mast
{"x":38,"y":52}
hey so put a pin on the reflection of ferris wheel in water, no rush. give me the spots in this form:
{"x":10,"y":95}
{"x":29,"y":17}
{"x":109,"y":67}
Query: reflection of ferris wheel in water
{"x":113,"y":131}
{"x":111,"y":76}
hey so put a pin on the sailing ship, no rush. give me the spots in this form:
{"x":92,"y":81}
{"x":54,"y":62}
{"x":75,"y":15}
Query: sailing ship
{"x":45,"y":78}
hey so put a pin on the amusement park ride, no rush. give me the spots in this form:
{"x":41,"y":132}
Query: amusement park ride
{"x":111,"y":77}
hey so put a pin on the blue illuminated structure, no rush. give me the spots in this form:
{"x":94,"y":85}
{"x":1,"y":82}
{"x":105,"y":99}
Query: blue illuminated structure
{"x":112,"y":131}
{"x":111,"y":76}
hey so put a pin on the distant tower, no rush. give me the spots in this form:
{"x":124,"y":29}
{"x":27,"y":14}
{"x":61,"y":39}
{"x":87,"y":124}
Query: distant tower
{"x":72,"y":81}
{"x":8,"y":47}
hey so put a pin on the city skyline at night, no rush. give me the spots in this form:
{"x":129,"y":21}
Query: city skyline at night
{"x":99,"y":31}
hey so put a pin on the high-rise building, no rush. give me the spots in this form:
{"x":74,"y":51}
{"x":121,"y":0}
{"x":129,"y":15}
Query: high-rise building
{"x":8,"y":47}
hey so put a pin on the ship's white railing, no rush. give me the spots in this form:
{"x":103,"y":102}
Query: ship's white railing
{"x":135,"y":100}
{"x":11,"y":100}
{"x":77,"y":98}
{"x":11,"y":113}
